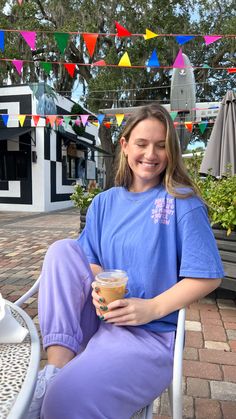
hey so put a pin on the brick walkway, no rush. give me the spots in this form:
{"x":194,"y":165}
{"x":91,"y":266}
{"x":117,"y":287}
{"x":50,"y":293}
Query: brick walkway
{"x":209,"y":383}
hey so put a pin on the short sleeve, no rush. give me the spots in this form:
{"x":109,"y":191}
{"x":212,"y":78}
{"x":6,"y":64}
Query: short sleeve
{"x":197,"y":249}
{"x":89,"y":237}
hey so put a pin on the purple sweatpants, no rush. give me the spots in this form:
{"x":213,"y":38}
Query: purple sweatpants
{"x":121,"y":370}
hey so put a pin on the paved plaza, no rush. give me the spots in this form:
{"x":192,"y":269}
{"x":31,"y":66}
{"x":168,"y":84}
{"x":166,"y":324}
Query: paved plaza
{"x":209,"y":383}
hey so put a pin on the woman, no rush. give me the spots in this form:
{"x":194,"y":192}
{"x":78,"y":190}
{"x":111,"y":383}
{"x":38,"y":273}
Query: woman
{"x":108,"y":361}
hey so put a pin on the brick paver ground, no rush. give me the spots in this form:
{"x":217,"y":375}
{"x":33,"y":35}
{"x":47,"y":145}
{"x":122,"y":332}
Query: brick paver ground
{"x":209,"y":382}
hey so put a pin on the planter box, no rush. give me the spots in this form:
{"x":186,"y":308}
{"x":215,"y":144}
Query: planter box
{"x":82,"y":219}
{"x":227,"y":248}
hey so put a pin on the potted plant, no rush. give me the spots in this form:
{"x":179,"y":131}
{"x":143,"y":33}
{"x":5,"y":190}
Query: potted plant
{"x":220,"y":197}
{"x":82,"y":198}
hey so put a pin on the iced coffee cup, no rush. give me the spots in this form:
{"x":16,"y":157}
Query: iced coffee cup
{"x":112,"y":284}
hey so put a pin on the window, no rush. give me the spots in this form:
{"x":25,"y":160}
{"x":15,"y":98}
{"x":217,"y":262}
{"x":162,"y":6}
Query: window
{"x":13,"y":165}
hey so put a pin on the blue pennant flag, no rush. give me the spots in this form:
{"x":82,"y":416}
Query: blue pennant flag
{"x":182,"y":39}
{"x":100,"y":118}
{"x":153,"y":60}
{"x":2,"y":40}
{"x":5,"y":119}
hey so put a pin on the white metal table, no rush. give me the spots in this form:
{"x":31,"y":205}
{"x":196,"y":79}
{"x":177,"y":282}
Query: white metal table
{"x":19,"y":365}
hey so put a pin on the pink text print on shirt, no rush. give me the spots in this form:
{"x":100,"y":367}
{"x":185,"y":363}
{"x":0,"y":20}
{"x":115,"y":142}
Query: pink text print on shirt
{"x":163,"y":210}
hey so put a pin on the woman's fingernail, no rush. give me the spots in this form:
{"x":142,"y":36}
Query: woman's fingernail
{"x":104,"y":308}
{"x":101,"y":317}
{"x":97,"y":289}
{"x":101,"y":300}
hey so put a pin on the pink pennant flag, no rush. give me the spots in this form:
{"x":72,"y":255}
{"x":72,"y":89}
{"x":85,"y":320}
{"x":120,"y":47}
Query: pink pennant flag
{"x":18,"y":65}
{"x":179,"y":61}
{"x":99,"y":63}
{"x":84,"y":119}
{"x":30,"y":38}
{"x":20,"y":2}
{"x":210,"y":39}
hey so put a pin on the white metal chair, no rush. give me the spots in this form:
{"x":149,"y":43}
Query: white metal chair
{"x":175,"y":388}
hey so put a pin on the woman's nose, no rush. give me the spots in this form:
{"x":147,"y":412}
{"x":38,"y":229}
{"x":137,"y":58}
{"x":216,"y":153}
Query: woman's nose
{"x":150,"y":152}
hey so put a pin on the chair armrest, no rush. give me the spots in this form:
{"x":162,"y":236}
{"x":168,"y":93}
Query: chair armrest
{"x":28,"y":294}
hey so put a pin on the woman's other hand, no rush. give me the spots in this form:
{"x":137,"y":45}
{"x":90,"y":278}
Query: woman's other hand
{"x":98,"y":300}
{"x":130,"y":312}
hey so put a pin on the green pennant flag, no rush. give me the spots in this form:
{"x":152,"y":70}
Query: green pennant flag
{"x":62,"y":40}
{"x":173,"y":115}
{"x":206,"y":66}
{"x":202,"y":126}
{"x":47,"y":67}
{"x":67,"y":120}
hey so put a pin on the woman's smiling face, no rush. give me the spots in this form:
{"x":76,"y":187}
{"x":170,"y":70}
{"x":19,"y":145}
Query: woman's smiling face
{"x":146,"y":153}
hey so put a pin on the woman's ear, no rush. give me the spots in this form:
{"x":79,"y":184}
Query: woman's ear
{"x":123,"y":144}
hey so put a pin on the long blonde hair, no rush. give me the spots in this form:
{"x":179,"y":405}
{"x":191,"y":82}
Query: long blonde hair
{"x":175,"y":175}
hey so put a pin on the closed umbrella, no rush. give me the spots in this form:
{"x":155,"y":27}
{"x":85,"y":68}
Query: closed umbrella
{"x":221,"y":147}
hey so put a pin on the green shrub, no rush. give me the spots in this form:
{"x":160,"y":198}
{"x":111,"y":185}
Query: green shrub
{"x":219,"y":194}
{"x":82,"y":198}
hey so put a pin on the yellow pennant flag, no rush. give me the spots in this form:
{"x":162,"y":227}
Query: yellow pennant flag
{"x":95,"y":123}
{"x":125,"y":61}
{"x":119,"y":118}
{"x":21,"y":119}
{"x":149,"y":34}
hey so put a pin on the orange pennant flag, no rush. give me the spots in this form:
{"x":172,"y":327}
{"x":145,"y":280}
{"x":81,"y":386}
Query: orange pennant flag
{"x":90,"y":40}
{"x":70,"y":68}
{"x":121,"y":31}
{"x":21,"y":119}
{"x":36,"y":119}
{"x":107,"y":124}
{"x":50,"y":119}
{"x":189,"y":126}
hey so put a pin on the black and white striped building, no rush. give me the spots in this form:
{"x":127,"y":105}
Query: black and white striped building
{"x":40,"y":164}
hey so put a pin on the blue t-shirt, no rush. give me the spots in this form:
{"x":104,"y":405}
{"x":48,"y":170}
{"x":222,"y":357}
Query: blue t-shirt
{"x":156,"y":238}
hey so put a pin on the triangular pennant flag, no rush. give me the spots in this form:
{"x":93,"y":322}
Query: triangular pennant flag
{"x":153,"y":60}
{"x":5,"y":119}
{"x":70,"y":68}
{"x":47,"y":67}
{"x":206,"y":66}
{"x":107,"y":124}
{"x":20,"y":2}
{"x":62,"y":40}
{"x":182,"y":39}
{"x":202,"y":126}
{"x":125,"y":61}
{"x":21,"y":119}
{"x":67,"y":120}
{"x":149,"y":34}
{"x":18,"y":65}
{"x":84,"y":119}
{"x":95,"y":123}
{"x":173,"y":115}
{"x":30,"y":38}
{"x":90,"y":40}
{"x":231,"y":70}
{"x":189,"y":126}
{"x":51,"y":119}
{"x":78,"y":122}
{"x":35,"y":119}
{"x":59,"y":121}
{"x":176,"y":124}
{"x":119,"y":118}
{"x":99,"y":63}
{"x":209,"y":39}
{"x":121,"y":31}
{"x":179,"y":61}
{"x":2,"y":34}
{"x":100,"y":118}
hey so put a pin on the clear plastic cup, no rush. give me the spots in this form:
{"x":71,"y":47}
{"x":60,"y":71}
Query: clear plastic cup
{"x":112,"y":284}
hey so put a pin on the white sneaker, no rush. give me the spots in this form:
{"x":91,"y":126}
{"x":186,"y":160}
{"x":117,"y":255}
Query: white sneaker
{"x":44,"y":378}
